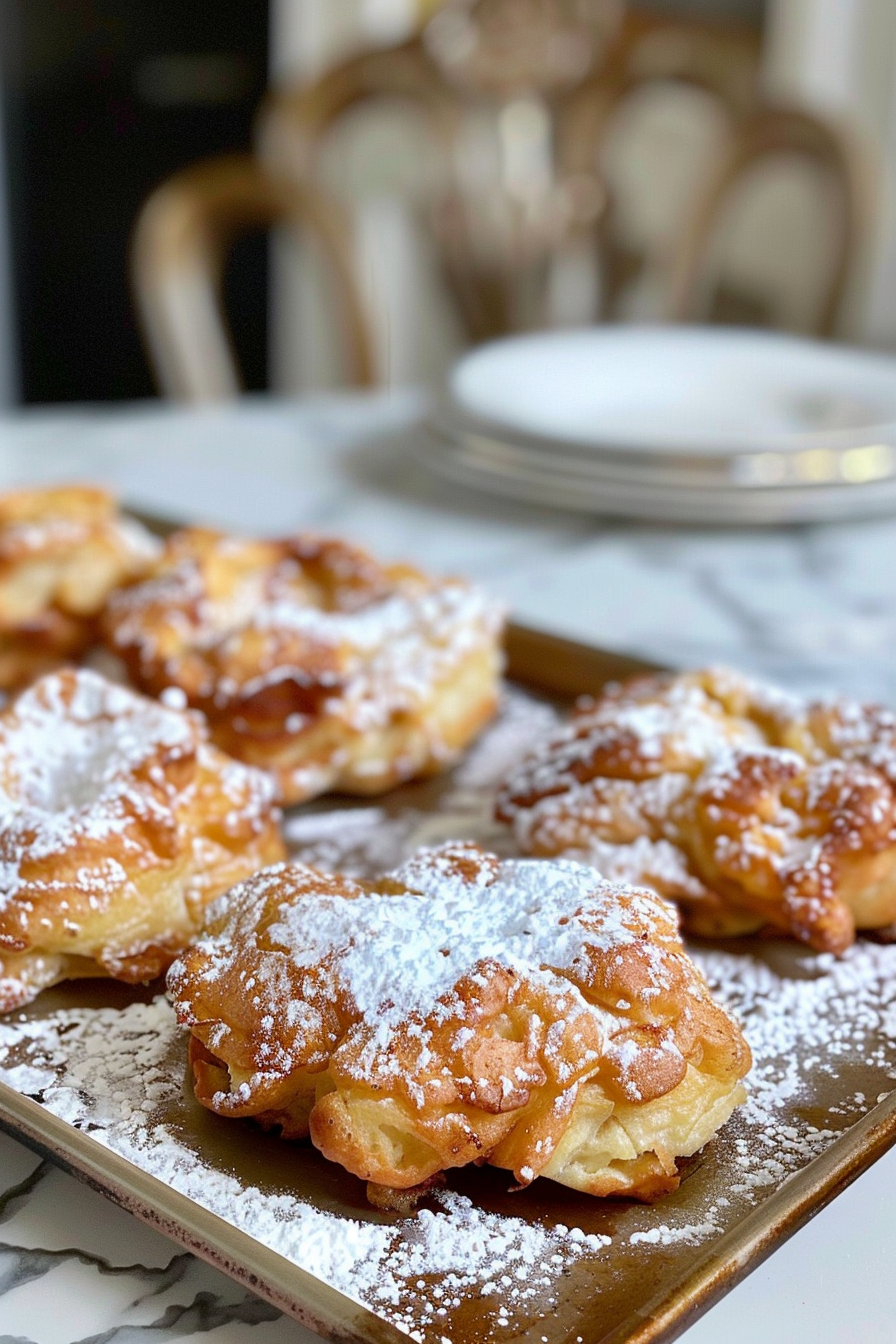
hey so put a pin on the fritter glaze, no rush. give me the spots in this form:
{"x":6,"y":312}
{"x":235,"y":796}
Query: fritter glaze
{"x":119,"y":822}
{"x":62,"y":551}
{"x":461,"y":1009}
{"x":312,"y":660}
{"x":748,"y":807}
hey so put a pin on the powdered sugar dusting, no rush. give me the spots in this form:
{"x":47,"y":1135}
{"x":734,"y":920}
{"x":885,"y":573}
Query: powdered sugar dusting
{"x":523,"y":721}
{"x":381,"y":640}
{"x":71,"y":738}
{"x":111,"y":1072}
{"x":781,"y":808}
{"x":117,"y":821}
{"x":822,"y":1016}
{"x":72,"y":744}
{"x":114,"y":1073}
{"x":354,"y":841}
{"x":530,"y":917}
{"x":825,"y":1019}
{"x":361,"y":841}
{"x":392,"y":653}
{"x":823,"y":1034}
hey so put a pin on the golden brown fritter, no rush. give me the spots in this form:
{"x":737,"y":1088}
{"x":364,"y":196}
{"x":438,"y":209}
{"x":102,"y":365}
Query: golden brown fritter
{"x":312,"y":660}
{"x":748,"y":807}
{"x":459,"y":1010}
{"x":119,"y":822}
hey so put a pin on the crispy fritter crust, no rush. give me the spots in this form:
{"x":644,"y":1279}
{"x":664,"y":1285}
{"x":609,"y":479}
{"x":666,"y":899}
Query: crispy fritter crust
{"x":460,"y":1010}
{"x":62,"y":551}
{"x":119,"y":822}
{"x":312,"y":660}
{"x":748,"y":807}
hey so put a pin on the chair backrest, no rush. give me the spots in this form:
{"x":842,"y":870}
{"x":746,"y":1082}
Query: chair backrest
{"x":653,"y":123}
{"x":722,"y":62}
{"x":490,"y":79}
{"x":733,"y":262}
{"x":540,"y":214}
{"x":180,"y":245}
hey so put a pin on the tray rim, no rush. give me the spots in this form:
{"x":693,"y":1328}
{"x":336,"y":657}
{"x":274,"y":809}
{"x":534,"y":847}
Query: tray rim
{"x":250,"y":1262}
{"x":718,"y":1266}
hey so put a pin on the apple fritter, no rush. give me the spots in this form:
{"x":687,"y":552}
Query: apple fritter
{"x":312,"y":660}
{"x":63,"y":549}
{"x":460,"y":1010}
{"x":749,"y":807}
{"x":119,"y":822}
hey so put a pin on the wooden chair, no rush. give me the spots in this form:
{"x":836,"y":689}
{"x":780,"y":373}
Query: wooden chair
{"x":773,"y":136}
{"x":499,"y":242}
{"x":691,"y":282}
{"x":180,"y":244}
{"x":495,"y":59}
{"x":722,"y":62}
{"x":652,"y":55}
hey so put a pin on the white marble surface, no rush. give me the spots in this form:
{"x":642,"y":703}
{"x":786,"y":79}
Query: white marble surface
{"x":813,"y":607}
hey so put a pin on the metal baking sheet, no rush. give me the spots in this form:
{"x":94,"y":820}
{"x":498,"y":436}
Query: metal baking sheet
{"x":621,"y":1271}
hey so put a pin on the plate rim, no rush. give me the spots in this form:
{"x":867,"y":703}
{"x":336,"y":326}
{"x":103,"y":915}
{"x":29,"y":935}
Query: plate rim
{"x":836,"y":440}
{"x":549,"y":486}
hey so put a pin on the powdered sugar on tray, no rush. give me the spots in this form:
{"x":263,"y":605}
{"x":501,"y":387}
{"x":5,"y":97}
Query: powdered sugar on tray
{"x":824,"y":1017}
{"x":108,"y":1071}
{"x":822,"y":1030}
{"x":360,"y":841}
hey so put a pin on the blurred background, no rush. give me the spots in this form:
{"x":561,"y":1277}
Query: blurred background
{"x":302,"y":194}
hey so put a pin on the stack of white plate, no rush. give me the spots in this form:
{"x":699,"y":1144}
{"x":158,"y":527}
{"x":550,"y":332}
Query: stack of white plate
{"x":684,"y":424}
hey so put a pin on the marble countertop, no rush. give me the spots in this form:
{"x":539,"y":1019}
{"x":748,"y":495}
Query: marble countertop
{"x":810,"y":607}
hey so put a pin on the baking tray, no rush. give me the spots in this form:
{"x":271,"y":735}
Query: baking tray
{"x":620,"y":1271}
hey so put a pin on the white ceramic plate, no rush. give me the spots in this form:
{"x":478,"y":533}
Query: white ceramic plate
{"x":673,"y":390}
{"x":690,"y":424}
{"x":560,"y":484}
